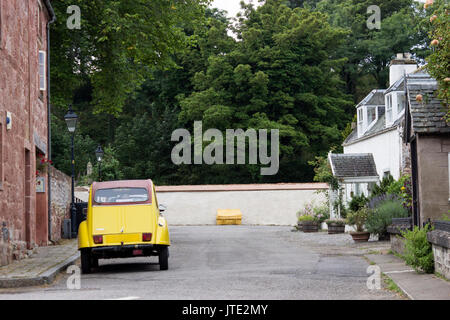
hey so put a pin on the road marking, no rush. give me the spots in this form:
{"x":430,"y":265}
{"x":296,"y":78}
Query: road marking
{"x":125,"y":298}
{"x":403,"y":271}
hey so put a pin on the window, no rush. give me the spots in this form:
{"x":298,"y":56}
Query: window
{"x":121,"y":195}
{"x":39,"y":21}
{"x":400,"y":102}
{"x":371,"y":115}
{"x":42,"y":69}
{"x":360,"y":121}
{"x":389,"y":109}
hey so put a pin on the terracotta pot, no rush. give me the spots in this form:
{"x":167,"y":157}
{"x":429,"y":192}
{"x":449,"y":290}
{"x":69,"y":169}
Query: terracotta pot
{"x":334,"y":228}
{"x":360,"y":236}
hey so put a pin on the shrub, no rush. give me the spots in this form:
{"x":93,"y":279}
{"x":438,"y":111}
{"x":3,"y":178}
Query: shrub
{"x":383,"y":187}
{"x":339,"y":222}
{"x":418,"y":251}
{"x":322,"y":213}
{"x":307,"y":218}
{"x":381,"y":217}
{"x":358,"y":218}
{"x":357,"y":202}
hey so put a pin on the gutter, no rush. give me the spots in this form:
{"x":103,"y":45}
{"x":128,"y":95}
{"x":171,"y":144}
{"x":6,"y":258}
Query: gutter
{"x":49,"y":122}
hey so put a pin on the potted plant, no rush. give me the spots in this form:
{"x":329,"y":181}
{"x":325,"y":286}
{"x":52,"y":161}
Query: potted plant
{"x":335,"y":226}
{"x":358,"y":219}
{"x":309,"y":223}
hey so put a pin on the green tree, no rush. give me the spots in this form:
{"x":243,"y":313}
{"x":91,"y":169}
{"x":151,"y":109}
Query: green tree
{"x":439,"y":60}
{"x":117,"y":47}
{"x":284,"y":75}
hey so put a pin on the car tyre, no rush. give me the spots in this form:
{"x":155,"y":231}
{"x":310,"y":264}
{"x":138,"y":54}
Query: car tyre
{"x":86,"y":261}
{"x":164,"y":258}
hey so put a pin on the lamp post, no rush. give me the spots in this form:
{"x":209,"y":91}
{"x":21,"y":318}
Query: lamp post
{"x":99,"y":155}
{"x":71,"y":120}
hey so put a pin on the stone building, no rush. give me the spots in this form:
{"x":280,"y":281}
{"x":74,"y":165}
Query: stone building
{"x":428,"y":135}
{"x":24,"y":129}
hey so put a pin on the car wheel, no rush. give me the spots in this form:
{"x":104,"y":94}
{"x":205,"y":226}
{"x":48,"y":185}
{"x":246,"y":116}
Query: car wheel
{"x":94,"y":262}
{"x":86,"y":261}
{"x":164,"y":258}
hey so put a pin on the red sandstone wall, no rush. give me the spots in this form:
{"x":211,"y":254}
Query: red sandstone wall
{"x":24,"y":214}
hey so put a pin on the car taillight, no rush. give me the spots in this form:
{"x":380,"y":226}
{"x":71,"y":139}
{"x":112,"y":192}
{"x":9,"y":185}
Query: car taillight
{"x":98,"y":239}
{"x":146,"y":237}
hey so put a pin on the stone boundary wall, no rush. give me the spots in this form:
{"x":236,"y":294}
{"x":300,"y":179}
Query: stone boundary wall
{"x":260,"y":204}
{"x":61,"y":185}
{"x":440,"y":240}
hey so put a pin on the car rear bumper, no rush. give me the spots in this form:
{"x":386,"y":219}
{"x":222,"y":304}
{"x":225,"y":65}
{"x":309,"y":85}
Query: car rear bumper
{"x":124,"y":251}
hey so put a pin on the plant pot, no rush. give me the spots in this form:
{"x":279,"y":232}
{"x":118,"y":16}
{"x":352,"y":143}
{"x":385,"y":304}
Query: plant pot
{"x":310,"y":226}
{"x":334,"y":228}
{"x":360,"y":236}
{"x":300,"y":226}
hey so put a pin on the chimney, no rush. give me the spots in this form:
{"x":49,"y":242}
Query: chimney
{"x":403,"y":63}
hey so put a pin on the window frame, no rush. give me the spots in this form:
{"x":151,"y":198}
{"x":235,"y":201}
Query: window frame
{"x":43,"y":76}
{"x":360,"y":119}
{"x":389,"y":111}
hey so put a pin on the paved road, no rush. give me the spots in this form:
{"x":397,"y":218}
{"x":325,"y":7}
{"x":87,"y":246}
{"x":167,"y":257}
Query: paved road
{"x":224,"y":262}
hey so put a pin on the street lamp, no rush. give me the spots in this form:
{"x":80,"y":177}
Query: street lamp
{"x":71,"y":120}
{"x":99,"y":155}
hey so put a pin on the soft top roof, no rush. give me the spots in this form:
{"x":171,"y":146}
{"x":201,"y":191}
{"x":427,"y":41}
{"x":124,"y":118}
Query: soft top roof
{"x":122,"y":184}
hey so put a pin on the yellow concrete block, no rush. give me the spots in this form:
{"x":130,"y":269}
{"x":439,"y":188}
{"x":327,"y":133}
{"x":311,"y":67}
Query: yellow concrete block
{"x":229,"y":216}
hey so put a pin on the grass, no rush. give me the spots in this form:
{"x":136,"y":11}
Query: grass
{"x":389,"y":284}
{"x":392,"y":286}
{"x":441,"y":276}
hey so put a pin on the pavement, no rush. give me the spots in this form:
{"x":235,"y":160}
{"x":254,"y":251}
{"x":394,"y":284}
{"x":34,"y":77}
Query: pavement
{"x":417,"y":286}
{"x":41,"y":268}
{"x":227,"y":263}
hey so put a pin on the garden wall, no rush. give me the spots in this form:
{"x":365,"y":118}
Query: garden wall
{"x":260,"y":204}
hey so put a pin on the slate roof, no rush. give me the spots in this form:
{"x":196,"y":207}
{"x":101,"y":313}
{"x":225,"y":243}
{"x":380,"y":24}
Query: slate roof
{"x":428,"y":115}
{"x":374,"y":98}
{"x":352,"y":165}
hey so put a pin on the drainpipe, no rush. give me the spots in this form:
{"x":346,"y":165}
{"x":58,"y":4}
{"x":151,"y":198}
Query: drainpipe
{"x":49,"y":122}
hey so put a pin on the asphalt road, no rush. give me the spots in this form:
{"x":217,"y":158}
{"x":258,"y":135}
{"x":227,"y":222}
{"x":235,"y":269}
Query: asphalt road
{"x":223,"y":262}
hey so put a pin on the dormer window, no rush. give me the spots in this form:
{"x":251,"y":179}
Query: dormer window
{"x":371,"y":115}
{"x":360,"y":121}
{"x":388,"y":109}
{"x":400,"y":102}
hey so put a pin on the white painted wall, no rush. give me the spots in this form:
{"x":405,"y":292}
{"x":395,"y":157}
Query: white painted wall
{"x":386,"y":149}
{"x":262,"y":207}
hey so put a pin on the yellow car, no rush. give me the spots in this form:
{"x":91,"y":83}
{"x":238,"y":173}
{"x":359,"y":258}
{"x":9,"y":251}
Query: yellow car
{"x":123,"y":220}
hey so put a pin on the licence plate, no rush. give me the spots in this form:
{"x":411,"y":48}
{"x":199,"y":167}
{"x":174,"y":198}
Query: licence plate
{"x":137,"y":252}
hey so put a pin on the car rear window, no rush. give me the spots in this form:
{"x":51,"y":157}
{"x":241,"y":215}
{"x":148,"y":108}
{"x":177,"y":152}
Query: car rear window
{"x":121,"y":195}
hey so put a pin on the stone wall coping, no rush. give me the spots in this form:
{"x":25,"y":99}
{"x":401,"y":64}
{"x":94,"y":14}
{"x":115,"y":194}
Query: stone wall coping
{"x":439,"y":237}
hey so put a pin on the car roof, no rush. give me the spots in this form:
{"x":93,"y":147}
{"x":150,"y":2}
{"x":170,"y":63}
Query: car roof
{"x":123,"y":184}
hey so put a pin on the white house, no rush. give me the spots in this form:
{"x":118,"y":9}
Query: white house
{"x":379,"y":128}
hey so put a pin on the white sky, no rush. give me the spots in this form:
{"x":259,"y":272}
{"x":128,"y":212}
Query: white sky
{"x":232,"y":6}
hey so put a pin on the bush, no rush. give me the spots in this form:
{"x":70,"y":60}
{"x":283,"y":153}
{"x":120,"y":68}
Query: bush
{"x":358,"y":218}
{"x":307,"y":218}
{"x":418,"y":251}
{"x":322,"y":213}
{"x":357,"y":202}
{"x":383,"y":187}
{"x":381,"y":217}
{"x":339,"y":222}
